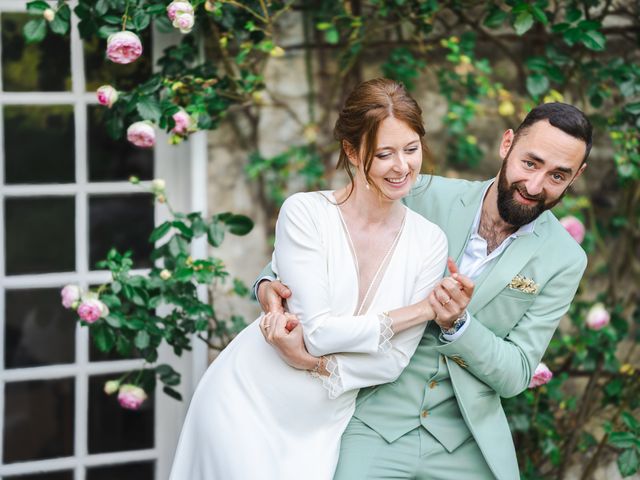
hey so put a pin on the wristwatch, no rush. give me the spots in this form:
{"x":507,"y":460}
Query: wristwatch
{"x":457,"y":324}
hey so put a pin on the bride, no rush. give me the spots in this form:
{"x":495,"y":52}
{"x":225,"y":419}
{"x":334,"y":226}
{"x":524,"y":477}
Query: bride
{"x":360,"y":266}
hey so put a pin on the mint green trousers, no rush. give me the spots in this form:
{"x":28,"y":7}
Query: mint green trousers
{"x":365,"y":455}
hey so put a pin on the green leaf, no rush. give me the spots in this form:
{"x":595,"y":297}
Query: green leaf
{"x":622,"y":439}
{"x":101,"y":7}
{"x":631,"y":422}
{"x":186,"y":231}
{"x":105,"y":30}
{"x":539,"y":14}
{"x":159,"y":232}
{"x":37,"y":6}
{"x":35,"y":30}
{"x":172,"y":393}
{"x":215,"y":234}
{"x":142,"y":339}
{"x":141,"y":20}
{"x":113,"y":321}
{"x":573,"y":14}
{"x":323,"y":26}
{"x":103,"y":337}
{"x":59,"y":25}
{"x":149,"y":109}
{"x":239,"y":224}
{"x":572,"y":36}
{"x":523,"y":22}
{"x":594,"y":40}
{"x":155,"y":9}
{"x":495,"y":17}
{"x":64,"y":13}
{"x":633,"y":108}
{"x":537,"y":84}
{"x":332,"y":36}
{"x":628,"y":462}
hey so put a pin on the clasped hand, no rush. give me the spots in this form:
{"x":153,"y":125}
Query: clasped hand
{"x":450,"y":297}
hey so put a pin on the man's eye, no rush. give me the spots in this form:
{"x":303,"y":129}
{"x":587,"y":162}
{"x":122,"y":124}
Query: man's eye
{"x":558,"y":178}
{"x":529,"y":164}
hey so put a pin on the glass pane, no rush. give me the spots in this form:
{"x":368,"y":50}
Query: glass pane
{"x":39,"y":144}
{"x":99,"y":71}
{"x":114,"y":159}
{"x":66,"y":475}
{"x":111,"y":427}
{"x":128,"y":471}
{"x":40,"y":235}
{"x":38,"y":419}
{"x":41,"y":67}
{"x":39,"y":330}
{"x":124,"y":222}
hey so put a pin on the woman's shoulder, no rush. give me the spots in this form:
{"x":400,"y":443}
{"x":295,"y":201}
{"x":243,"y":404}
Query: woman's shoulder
{"x":425,"y":230}
{"x":308,"y":200}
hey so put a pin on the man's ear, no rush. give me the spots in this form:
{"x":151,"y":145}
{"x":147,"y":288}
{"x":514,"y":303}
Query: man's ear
{"x":580,"y":170}
{"x":351,"y":153}
{"x":506,"y":143}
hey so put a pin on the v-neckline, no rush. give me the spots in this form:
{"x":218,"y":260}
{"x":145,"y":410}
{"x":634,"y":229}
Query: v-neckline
{"x":383,"y":266}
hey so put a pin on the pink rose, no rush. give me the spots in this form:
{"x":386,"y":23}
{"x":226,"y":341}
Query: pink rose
{"x":123,"y":47}
{"x":598,"y":317}
{"x":183,"y":122}
{"x":184,"y":21}
{"x":131,"y":396}
{"x":141,"y":134}
{"x":574,"y":227}
{"x":70,"y":295}
{"x":92,"y":309}
{"x":176,"y":8}
{"x":107,"y":95}
{"x":541,"y":376}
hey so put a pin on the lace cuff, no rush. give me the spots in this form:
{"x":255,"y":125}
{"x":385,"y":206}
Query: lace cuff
{"x":386,"y":332}
{"x":333,"y":382}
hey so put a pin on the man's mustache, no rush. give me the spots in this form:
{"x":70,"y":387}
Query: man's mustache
{"x":522,"y":190}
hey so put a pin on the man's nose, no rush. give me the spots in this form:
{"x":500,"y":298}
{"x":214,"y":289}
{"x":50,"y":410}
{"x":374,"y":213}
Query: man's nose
{"x":535,"y":184}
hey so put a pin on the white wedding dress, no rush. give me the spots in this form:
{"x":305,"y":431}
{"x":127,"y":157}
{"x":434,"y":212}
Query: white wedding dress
{"x":254,"y":417}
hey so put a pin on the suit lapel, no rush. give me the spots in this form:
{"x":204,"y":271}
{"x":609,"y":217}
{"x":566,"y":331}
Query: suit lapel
{"x":508,"y":265}
{"x":460,"y":221}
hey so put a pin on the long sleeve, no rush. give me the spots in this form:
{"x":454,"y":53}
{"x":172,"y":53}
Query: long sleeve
{"x":507,"y":364}
{"x":352,"y":370}
{"x":300,"y":260}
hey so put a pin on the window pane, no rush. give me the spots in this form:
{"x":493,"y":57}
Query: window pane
{"x":38,"y":419}
{"x":40,"y":235}
{"x":99,"y":71}
{"x":42,"y":67}
{"x":113,"y":428}
{"x":128,"y":471}
{"x":39,"y":144}
{"x":67,"y":475}
{"x":39,"y":330}
{"x":111,"y":159}
{"x":124,"y":222}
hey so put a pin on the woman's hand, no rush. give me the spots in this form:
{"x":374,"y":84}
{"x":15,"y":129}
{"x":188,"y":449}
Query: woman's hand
{"x":283,"y":331}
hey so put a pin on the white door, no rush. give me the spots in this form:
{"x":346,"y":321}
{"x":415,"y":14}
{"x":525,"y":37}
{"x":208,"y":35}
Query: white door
{"x":64,"y":200}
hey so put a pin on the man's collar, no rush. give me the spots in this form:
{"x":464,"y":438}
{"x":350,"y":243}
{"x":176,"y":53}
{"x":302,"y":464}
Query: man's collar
{"x":523,"y":230}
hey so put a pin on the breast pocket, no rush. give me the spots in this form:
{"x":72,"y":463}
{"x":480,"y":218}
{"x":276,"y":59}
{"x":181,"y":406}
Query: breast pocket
{"x":502,"y":313}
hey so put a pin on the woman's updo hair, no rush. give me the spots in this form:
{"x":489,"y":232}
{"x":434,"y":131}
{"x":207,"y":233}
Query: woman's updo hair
{"x":364,"y":110}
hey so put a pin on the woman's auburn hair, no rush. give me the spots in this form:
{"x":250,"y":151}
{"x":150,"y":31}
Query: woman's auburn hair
{"x":365,"y":108}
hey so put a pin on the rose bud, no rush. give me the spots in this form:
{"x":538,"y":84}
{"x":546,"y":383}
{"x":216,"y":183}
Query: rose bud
{"x":123,"y":47}
{"x":541,"y":376}
{"x":131,"y":396}
{"x":107,"y":95}
{"x":141,"y":134}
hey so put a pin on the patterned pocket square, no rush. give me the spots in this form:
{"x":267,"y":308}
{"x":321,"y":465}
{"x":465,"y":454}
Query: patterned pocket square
{"x":524,"y":284}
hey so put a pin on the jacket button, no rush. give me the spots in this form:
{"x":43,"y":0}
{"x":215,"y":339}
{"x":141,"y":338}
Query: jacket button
{"x":433,"y":384}
{"x":424,"y":413}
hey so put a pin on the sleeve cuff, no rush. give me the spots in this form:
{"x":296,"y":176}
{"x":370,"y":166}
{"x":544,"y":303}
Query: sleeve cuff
{"x":258,"y":282}
{"x":461,"y":330}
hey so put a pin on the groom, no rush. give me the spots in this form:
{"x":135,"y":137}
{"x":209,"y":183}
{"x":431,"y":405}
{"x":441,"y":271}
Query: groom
{"x":442,"y":418}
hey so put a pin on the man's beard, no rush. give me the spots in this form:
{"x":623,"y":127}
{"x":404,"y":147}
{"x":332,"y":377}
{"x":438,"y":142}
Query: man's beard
{"x":514,"y":212}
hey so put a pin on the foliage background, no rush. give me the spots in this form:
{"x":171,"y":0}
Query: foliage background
{"x":477,"y":68}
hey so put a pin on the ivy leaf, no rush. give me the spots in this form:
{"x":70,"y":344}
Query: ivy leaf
{"x":628,"y":462}
{"x":523,"y":22}
{"x":35,"y":30}
{"x":142,"y":339}
{"x":594,"y":40}
{"x":149,"y":109}
{"x":537,"y":84}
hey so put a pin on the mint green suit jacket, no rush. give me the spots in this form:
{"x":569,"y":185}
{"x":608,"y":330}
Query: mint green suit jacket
{"x":509,"y":329}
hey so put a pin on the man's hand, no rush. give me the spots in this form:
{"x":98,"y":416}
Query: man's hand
{"x":450,"y":298}
{"x":272,"y":296}
{"x":288,"y":343}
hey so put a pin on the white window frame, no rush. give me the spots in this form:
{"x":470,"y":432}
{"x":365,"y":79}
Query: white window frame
{"x":184,"y":168}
